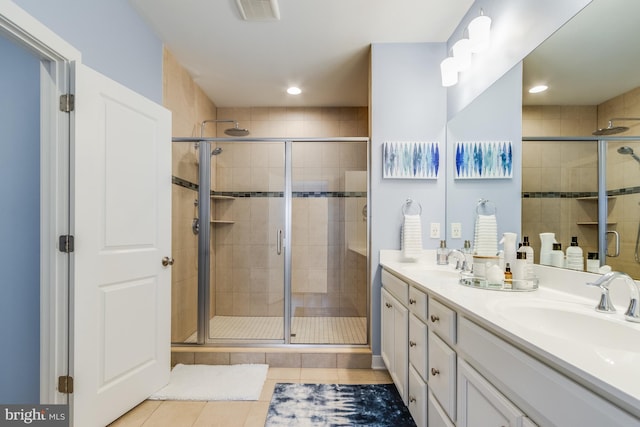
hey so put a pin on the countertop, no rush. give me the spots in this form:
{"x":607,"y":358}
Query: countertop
{"x":601,"y":367}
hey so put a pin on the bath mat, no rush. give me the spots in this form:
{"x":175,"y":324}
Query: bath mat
{"x":371,"y":405}
{"x":214,"y":382}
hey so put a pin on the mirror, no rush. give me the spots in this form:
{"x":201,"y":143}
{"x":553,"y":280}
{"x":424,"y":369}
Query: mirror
{"x":591,"y":68}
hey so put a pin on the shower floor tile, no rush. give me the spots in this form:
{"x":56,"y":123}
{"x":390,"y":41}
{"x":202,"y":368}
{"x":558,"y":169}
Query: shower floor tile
{"x":304,"y":330}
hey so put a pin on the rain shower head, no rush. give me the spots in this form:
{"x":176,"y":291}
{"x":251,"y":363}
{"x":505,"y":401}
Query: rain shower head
{"x":628,"y":150}
{"x":236,"y":130}
{"x":613,"y":130}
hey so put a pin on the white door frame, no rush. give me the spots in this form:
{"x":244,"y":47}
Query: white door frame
{"x":55,"y":167}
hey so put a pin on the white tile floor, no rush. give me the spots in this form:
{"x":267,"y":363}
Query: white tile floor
{"x":307,"y":330}
{"x":235,"y":413}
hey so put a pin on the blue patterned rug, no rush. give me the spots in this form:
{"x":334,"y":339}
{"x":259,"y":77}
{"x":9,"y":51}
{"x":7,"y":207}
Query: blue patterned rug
{"x":371,"y":405}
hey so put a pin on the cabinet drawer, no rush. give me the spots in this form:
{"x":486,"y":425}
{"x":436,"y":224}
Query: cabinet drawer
{"x":442,"y":374}
{"x":442,"y":320}
{"x":437,"y":417}
{"x":396,"y":287}
{"x":418,"y":339}
{"x":480,"y":404}
{"x":417,"y":398}
{"x":418,"y":303}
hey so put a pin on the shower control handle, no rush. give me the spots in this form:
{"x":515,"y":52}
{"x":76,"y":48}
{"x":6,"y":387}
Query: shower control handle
{"x":279,"y":242}
{"x":166,"y":261}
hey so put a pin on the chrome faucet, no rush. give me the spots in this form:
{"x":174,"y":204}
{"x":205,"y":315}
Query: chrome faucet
{"x":605,"y":306}
{"x":461,"y":263}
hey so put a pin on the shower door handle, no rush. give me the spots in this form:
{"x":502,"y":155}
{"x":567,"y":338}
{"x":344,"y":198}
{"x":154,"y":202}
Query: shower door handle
{"x":617,"y":236}
{"x":279,"y":242}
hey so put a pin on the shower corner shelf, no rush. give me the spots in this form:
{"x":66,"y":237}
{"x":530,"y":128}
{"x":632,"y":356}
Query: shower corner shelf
{"x":222,"y":221}
{"x":219,"y":197}
{"x":593,"y":223}
{"x":593,"y":198}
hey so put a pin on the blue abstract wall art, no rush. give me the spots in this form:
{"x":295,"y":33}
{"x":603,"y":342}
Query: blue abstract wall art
{"x":483,"y":160}
{"x":410,"y":160}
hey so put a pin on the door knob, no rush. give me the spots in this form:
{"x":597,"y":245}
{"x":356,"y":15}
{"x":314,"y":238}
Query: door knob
{"x":167,"y":261}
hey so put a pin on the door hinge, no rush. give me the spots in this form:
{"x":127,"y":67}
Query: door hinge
{"x":65,"y":384}
{"x":67,"y":103}
{"x":66,"y":243}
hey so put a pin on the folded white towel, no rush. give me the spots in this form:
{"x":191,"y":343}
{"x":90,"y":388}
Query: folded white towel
{"x":486,"y":235}
{"x":412,"y":237}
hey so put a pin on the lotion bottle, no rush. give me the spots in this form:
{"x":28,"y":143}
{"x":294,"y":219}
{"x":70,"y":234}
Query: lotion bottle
{"x":575,"y":257}
{"x":557,"y":256}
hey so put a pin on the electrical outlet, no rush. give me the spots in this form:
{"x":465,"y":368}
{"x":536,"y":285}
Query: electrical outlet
{"x":434,"y":230}
{"x":456,"y":230}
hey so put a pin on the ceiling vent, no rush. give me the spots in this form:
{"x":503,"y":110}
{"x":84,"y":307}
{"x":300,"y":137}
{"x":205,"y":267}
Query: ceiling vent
{"x":259,"y":10}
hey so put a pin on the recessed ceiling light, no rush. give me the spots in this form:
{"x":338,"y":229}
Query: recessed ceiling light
{"x":294,"y":90}
{"x":538,"y":89}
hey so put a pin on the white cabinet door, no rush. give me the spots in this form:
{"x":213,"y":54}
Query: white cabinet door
{"x":480,"y":404}
{"x":395,"y":333}
{"x":121,"y":204}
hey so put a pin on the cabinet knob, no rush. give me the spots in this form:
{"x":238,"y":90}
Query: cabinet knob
{"x":412,"y":301}
{"x":167,"y":261}
{"x":387,"y":304}
{"x":434,"y":318}
{"x":434,"y":371}
{"x":412,"y":344}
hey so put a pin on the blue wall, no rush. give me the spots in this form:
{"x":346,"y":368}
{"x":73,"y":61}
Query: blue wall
{"x":111,"y":36}
{"x":19,"y":225}
{"x":408,"y":103}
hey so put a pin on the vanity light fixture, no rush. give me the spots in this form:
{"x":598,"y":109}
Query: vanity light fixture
{"x":462,"y":54}
{"x":538,"y":89}
{"x":293,"y":90}
{"x":449,"y":72}
{"x":480,"y":33}
{"x":479,"y":30}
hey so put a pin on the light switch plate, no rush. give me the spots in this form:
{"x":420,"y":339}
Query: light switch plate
{"x":434,"y":230}
{"x":456,"y":230}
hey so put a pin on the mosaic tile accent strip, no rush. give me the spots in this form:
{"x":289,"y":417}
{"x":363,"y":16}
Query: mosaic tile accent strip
{"x":410,"y":159}
{"x":184,"y":183}
{"x":483,"y":160}
{"x":575,"y":195}
{"x":372,"y":405}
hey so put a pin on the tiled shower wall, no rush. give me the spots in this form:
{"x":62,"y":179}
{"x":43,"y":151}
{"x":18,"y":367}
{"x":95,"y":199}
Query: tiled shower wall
{"x":574,"y":166}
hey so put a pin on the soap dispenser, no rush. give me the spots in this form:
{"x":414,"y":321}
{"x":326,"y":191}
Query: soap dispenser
{"x":442,"y":254}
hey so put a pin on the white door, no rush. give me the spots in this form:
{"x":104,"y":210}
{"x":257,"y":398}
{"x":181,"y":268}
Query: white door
{"x":121,"y":208}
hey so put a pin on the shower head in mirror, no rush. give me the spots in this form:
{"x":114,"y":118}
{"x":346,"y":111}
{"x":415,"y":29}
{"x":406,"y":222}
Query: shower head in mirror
{"x":613,"y":130}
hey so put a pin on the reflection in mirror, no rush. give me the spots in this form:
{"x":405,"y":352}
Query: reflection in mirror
{"x":591,"y":68}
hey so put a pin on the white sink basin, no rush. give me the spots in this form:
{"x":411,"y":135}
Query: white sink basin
{"x":614,"y":340}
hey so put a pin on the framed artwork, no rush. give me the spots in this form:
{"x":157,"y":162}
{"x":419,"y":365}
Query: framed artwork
{"x":410,"y":159}
{"x":483,"y":160}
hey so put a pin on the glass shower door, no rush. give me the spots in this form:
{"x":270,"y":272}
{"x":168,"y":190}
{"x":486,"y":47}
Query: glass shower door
{"x":247,"y":291}
{"x":329,"y":290}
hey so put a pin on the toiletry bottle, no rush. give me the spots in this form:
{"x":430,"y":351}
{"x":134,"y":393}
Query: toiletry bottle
{"x":575,"y":257}
{"x":557,"y":256}
{"x":593,"y":263}
{"x":527,"y":250}
{"x":508,"y":277}
{"x":468,"y":253}
{"x":520,"y":271}
{"x":442,"y":253}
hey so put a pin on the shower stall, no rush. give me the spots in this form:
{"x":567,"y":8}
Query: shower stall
{"x":272,"y":238}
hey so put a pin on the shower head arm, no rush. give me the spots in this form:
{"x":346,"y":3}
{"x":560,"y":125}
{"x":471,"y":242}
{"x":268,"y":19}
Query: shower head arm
{"x":203,"y":124}
{"x":621,"y":119}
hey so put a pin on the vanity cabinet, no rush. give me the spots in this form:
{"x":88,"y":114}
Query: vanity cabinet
{"x":394,"y":349}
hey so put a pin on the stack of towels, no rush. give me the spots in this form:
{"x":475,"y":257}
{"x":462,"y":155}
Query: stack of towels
{"x":412,"y":237}
{"x":486,"y":236}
